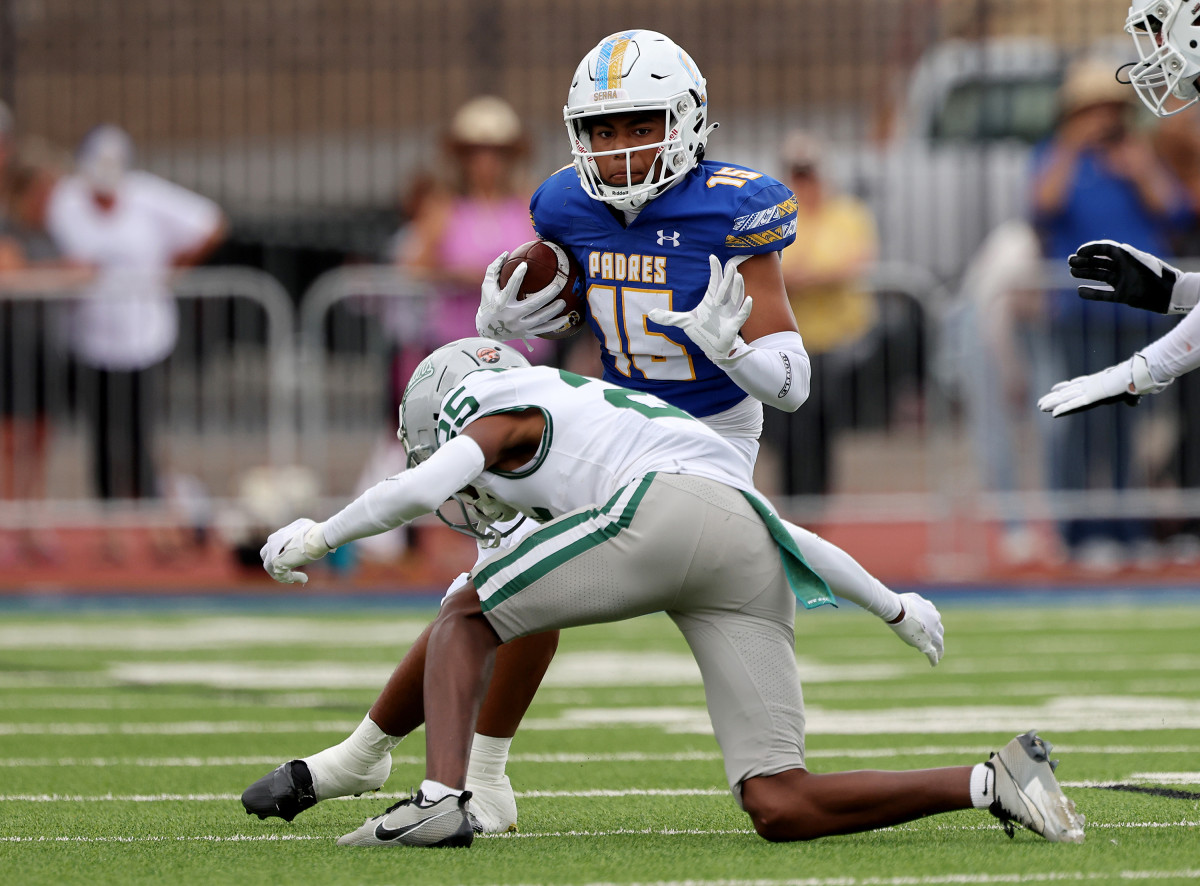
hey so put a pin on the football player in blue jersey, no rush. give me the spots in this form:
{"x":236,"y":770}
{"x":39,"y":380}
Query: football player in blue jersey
{"x":686,"y":296}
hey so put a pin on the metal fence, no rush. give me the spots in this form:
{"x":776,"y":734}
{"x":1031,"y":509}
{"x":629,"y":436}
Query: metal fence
{"x":258,"y":388}
{"x":221,"y":403}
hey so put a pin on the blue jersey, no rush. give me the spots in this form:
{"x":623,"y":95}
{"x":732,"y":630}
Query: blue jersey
{"x":661,"y":261}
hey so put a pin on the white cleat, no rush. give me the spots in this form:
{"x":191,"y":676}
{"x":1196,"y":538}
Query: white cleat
{"x":1026,"y":791}
{"x":413,"y":822}
{"x":493,"y":805}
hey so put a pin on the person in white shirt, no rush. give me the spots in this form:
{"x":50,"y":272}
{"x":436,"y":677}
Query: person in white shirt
{"x":133,"y":229}
{"x":637,"y":508}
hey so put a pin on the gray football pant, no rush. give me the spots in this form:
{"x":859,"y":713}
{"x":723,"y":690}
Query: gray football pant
{"x":692,"y":548}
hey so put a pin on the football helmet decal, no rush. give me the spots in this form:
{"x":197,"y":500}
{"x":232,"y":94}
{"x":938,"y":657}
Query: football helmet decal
{"x":1166,"y":34}
{"x":436,"y":376}
{"x":420,"y":410}
{"x":634,"y":71}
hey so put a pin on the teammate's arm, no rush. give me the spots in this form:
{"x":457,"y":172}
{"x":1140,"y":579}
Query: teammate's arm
{"x":1123,"y":383}
{"x":1136,"y":278}
{"x":745,"y":326}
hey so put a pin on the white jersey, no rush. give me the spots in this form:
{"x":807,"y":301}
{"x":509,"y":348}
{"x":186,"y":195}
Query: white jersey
{"x":598,"y":438}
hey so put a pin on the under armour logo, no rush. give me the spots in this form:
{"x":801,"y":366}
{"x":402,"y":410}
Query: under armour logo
{"x":663,"y":238}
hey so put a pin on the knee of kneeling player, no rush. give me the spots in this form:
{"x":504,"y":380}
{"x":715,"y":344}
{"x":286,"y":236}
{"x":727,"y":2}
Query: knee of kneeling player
{"x":776,"y":820}
{"x":779,"y":809}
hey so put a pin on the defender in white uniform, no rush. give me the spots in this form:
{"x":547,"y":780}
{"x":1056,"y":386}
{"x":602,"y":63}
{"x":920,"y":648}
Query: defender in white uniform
{"x":645,"y":510}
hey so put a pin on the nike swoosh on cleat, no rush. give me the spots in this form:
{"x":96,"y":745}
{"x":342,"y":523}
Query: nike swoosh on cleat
{"x":386,"y":833}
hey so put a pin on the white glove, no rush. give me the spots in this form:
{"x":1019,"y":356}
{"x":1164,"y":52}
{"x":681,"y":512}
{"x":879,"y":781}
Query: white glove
{"x":1123,"y":383}
{"x":714,"y":323}
{"x":502,"y":317}
{"x":920,"y":626}
{"x":293,"y":546}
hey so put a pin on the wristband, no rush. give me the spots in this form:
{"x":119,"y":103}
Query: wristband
{"x":1185,"y":294}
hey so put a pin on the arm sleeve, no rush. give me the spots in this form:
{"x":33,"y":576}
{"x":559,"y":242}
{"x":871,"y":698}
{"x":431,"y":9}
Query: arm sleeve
{"x":1177,"y":352}
{"x":774,"y":369}
{"x":408,"y":495}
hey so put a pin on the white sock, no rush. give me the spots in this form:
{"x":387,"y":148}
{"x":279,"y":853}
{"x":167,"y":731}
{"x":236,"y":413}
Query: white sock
{"x":351,"y":758}
{"x":368,"y":743}
{"x":489,"y":756}
{"x":983,"y":786}
{"x":433,"y":791}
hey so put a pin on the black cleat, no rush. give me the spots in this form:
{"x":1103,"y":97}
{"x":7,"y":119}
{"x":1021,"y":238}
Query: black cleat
{"x":284,"y":792}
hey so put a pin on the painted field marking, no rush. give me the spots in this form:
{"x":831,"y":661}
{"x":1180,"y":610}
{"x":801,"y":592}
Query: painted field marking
{"x":543,"y":834}
{"x":209,"y":633}
{"x":601,"y":793}
{"x":621,"y":757}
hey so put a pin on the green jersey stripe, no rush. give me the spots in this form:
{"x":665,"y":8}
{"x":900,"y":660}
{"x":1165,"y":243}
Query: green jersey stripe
{"x":548,"y":548}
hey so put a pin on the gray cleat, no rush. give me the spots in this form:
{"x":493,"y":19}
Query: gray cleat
{"x":1027,"y":793}
{"x":413,"y":822}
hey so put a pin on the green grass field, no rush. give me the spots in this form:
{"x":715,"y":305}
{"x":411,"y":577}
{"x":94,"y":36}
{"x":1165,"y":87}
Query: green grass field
{"x":127,"y":737}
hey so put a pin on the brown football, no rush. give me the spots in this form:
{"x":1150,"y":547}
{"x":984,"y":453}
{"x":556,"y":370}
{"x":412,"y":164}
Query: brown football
{"x":549,"y":265}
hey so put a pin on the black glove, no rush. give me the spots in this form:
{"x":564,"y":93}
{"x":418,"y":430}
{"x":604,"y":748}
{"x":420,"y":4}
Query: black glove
{"x":1137,"y":278}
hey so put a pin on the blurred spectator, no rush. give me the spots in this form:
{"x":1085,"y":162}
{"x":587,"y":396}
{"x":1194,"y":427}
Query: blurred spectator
{"x":824,"y":271}
{"x":1003,"y":359}
{"x":1096,"y":177}
{"x":458,"y":230}
{"x":133,"y":229}
{"x":454,"y":229}
{"x":1177,"y":141}
{"x":28,"y":364}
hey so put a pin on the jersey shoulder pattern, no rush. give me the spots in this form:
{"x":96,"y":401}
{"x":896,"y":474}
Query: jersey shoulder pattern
{"x":757,"y":213}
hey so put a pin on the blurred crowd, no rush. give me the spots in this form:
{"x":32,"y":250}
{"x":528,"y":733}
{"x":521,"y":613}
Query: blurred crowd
{"x":116,"y":233}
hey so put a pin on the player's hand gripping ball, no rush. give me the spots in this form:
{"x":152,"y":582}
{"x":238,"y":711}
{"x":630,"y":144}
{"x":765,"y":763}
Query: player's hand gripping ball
{"x":550,"y":267}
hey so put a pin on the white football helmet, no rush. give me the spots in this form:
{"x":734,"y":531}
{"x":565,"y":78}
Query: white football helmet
{"x":1167,"y":37}
{"x":420,"y":411}
{"x":638,"y":71}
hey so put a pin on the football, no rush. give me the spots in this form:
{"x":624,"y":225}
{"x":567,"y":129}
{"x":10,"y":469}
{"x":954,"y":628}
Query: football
{"x":549,"y":266}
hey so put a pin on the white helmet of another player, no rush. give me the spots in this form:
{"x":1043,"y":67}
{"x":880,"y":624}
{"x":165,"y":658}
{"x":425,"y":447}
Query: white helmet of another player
{"x":436,"y":376}
{"x":420,"y":412}
{"x":638,"y":71}
{"x":1167,"y":36}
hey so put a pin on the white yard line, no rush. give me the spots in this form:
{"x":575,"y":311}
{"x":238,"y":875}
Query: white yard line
{"x":624,"y":757}
{"x":971,"y":879}
{"x":185,"y":728}
{"x":1147,"y":778}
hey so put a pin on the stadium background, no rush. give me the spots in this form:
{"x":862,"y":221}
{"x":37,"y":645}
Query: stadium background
{"x":307,"y":119}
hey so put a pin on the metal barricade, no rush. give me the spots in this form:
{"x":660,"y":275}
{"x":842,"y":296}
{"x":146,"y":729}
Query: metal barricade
{"x":353,"y":323}
{"x":1012,"y":473}
{"x":221,"y":403}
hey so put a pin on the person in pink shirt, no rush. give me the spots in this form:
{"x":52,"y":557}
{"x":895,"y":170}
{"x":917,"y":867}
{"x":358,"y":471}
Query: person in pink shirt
{"x":457,"y":232}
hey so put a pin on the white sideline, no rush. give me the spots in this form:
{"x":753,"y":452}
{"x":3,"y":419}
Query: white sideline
{"x":1060,"y":714}
{"x":938,"y":879}
{"x":621,"y":757}
{"x":1144,"y":778}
